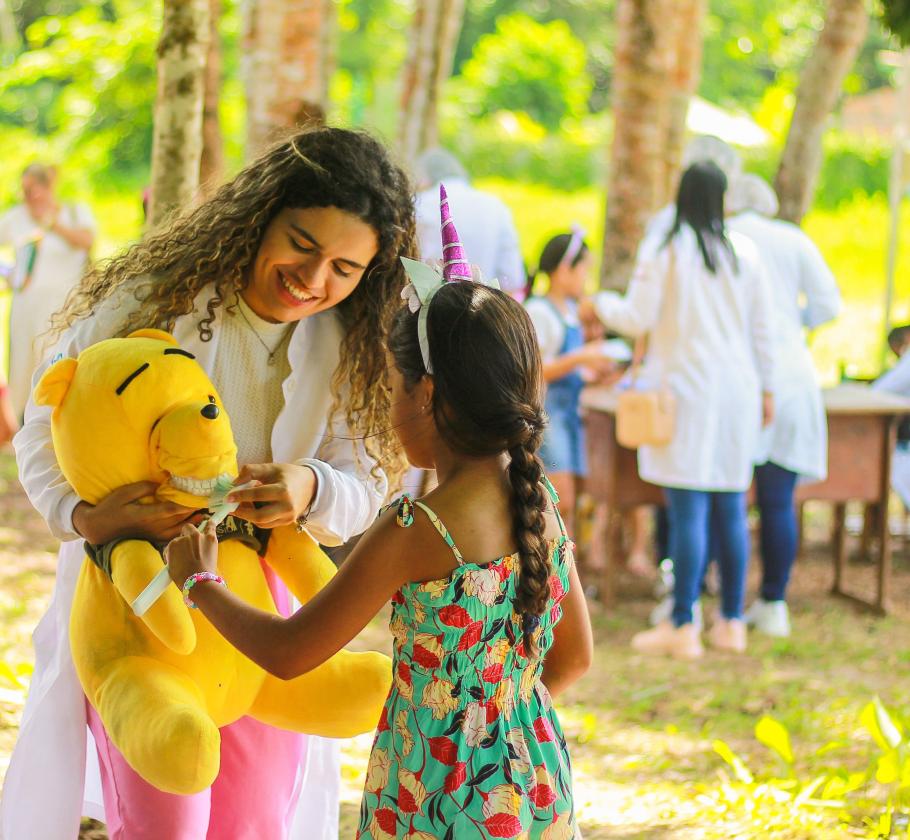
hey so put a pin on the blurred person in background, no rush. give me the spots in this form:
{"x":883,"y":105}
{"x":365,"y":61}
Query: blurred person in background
{"x":567,"y":262}
{"x":804,"y":295}
{"x":52,"y":241}
{"x":704,"y":302}
{"x":485,"y":224}
{"x":897,"y":381}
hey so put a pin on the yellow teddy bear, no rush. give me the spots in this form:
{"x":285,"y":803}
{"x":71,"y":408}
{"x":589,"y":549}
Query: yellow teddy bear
{"x":140,"y":408}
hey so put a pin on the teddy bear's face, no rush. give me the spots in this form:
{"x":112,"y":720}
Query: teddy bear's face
{"x":141,"y":408}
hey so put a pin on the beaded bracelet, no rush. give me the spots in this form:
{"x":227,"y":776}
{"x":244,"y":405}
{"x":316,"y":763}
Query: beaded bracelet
{"x":192,"y":580}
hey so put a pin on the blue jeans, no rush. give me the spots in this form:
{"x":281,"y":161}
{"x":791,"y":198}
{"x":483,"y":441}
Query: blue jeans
{"x":774,"y":488}
{"x":691,"y":513}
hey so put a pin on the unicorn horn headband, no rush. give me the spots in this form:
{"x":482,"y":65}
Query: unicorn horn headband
{"x":426,"y":280}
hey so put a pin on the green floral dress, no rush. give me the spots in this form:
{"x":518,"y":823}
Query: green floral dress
{"x":468,"y":744}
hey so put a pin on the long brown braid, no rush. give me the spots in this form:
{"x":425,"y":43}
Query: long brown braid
{"x":216,"y":243}
{"x":487,"y":399}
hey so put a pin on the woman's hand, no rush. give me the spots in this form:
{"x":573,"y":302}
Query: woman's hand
{"x":193,"y":551}
{"x":121,"y":514}
{"x":285,"y":492}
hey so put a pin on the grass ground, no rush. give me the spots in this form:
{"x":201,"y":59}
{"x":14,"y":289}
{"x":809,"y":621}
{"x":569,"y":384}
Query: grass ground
{"x":640,"y":730}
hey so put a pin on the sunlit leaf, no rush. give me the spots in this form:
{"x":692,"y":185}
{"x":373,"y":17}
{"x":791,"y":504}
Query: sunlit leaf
{"x":881,"y":727}
{"x":736,"y":763}
{"x":806,"y":793}
{"x":887,"y":769}
{"x":774,"y":735}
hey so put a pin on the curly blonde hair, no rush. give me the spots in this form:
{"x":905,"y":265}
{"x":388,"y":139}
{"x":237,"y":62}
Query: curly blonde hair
{"x":216,"y":243}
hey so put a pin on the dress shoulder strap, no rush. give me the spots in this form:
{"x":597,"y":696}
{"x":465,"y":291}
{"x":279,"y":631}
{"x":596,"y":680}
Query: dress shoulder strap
{"x":443,"y":531}
{"x":405,"y":519}
{"x":554,"y":497}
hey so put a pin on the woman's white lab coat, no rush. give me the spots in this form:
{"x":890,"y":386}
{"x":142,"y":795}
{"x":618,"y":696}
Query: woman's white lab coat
{"x":710,"y":343}
{"x":804,"y":294}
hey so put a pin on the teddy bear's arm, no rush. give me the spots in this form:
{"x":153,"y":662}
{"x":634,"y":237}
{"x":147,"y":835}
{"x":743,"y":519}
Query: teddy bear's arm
{"x":299,"y":561}
{"x":133,"y":564}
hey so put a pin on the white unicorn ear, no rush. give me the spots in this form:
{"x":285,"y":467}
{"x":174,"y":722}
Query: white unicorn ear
{"x":424,"y":278}
{"x":477,"y":277}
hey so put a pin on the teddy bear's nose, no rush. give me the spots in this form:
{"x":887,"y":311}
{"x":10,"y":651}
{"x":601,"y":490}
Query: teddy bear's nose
{"x":210,"y":411}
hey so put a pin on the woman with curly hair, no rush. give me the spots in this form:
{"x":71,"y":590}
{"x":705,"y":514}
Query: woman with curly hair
{"x":282,"y":286}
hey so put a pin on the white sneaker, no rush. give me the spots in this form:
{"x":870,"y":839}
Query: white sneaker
{"x":769,"y":617}
{"x":664,"y":610}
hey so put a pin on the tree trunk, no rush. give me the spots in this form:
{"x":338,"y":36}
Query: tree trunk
{"x":685,"y":74}
{"x":289,"y":54}
{"x":640,"y":119}
{"x":211,"y":167}
{"x":9,"y":35}
{"x":177,"y":139}
{"x":434,"y":32}
{"x":820,"y":85}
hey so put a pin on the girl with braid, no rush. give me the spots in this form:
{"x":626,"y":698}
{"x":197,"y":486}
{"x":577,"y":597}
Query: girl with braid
{"x":488,"y":618}
{"x":283,"y":286}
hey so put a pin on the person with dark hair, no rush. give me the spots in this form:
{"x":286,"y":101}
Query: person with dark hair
{"x":282,"y":285}
{"x":480,"y":644}
{"x":51,"y":240}
{"x":566,"y":261}
{"x":704,"y":301}
{"x":899,"y":339}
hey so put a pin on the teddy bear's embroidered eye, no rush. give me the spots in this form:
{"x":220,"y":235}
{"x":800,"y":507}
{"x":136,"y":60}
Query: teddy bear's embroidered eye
{"x":122,"y":386}
{"x":176,"y":351}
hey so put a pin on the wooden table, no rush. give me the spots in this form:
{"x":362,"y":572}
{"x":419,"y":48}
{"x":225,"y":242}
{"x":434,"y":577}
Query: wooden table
{"x":861,"y":431}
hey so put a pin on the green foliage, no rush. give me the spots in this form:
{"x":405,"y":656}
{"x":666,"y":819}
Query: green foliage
{"x":541,"y":211}
{"x":84,"y":89}
{"x":592,"y":22}
{"x":795,"y":798}
{"x":851,"y":167}
{"x":88,"y":85}
{"x":526,"y":66}
{"x":896,"y":17}
{"x":372,"y":46}
{"x":749,"y":45}
{"x":512,"y":146}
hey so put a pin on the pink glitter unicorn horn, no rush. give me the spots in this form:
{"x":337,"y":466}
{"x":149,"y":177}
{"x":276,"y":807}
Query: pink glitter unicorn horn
{"x":455,"y":266}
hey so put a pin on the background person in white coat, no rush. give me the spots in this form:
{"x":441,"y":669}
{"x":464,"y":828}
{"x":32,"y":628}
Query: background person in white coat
{"x":897,"y":381}
{"x":280,"y":286}
{"x":804,"y":295}
{"x":52,"y":242}
{"x":703,"y":299}
{"x":485,"y":224}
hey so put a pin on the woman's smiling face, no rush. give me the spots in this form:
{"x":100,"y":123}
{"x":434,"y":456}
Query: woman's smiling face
{"x":309,"y":260}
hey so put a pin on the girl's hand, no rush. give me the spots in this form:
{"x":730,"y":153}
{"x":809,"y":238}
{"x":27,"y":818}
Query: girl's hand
{"x":121,"y":514}
{"x":592,"y":355}
{"x":285,"y":492}
{"x":192,"y":552}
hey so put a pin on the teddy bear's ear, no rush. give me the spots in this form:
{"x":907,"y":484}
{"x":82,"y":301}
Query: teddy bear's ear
{"x":161,"y":335}
{"x":53,"y":385}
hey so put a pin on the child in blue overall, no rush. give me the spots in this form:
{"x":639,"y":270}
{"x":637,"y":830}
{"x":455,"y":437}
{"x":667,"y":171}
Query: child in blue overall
{"x":567,"y":262}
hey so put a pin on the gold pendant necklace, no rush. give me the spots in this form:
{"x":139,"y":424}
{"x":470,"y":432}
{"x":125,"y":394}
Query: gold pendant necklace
{"x":272,"y":353}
